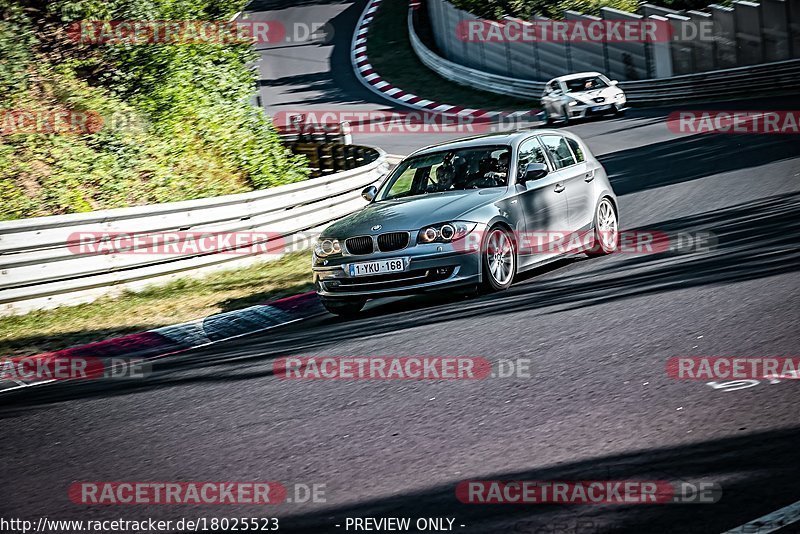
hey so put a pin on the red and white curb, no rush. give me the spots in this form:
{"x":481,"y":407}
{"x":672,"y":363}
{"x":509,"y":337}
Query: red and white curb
{"x":175,"y":339}
{"x":366,"y":73}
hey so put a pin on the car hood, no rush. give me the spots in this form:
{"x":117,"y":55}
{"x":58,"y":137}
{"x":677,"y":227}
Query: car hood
{"x":587,"y":97}
{"x":413,"y":213}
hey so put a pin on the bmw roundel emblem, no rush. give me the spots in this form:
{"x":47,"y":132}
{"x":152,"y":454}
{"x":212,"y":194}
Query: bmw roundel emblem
{"x":376,"y":227}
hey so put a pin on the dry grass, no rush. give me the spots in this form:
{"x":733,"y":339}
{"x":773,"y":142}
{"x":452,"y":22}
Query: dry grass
{"x":179,"y":301}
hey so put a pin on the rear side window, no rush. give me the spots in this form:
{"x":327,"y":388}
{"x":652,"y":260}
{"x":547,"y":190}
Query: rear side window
{"x":559,"y":150}
{"x":576,"y":149}
{"x":530,"y":151}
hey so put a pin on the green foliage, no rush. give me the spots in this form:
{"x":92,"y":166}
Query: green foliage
{"x":177,"y":119}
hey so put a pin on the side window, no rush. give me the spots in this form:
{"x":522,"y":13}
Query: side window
{"x":555,"y":87}
{"x":559,"y":150}
{"x":576,"y":149}
{"x":530,"y":151}
{"x":402,"y":186}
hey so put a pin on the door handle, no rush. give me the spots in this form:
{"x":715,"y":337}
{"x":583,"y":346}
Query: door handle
{"x":589,"y":176}
{"x":559,"y":188}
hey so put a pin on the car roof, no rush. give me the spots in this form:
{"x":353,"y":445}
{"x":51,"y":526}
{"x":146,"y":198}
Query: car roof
{"x":576,"y":75}
{"x":501,"y":138}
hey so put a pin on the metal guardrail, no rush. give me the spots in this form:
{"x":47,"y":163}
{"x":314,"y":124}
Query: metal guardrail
{"x":720,"y":84}
{"x":40,"y":267}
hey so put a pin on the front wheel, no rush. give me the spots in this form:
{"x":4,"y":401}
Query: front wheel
{"x":343,"y":307}
{"x":606,"y":229}
{"x":499,"y":260}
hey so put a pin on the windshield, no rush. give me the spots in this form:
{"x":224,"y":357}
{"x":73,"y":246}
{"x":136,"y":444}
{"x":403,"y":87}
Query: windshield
{"x":585,"y":84}
{"x":471,"y":168}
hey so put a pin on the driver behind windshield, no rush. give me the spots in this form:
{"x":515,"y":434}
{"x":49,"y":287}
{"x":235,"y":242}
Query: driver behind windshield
{"x":468,"y":168}
{"x":450,"y":174}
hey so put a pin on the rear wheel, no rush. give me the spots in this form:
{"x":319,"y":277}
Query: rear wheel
{"x":343,"y":307}
{"x":499,"y":260}
{"x":606,"y":229}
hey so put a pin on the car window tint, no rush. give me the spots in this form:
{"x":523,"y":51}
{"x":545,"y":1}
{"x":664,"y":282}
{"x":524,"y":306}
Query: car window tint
{"x":585,"y":84}
{"x":576,"y":149}
{"x":557,"y":146}
{"x":530,"y":151}
{"x":403,"y":183}
{"x":438,"y":172}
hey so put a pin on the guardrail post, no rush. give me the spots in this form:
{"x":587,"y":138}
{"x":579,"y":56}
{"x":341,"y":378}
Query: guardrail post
{"x":661,"y":53}
{"x":702,"y":40}
{"x":748,"y":32}
{"x":588,"y":55}
{"x":725,"y":50}
{"x":552,"y":56}
{"x":683,"y":61}
{"x":793,"y":9}
{"x":626,"y":60}
{"x":775,"y":29}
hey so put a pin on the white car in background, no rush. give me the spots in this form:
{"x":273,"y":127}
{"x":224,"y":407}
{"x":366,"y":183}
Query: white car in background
{"x":581,"y":95}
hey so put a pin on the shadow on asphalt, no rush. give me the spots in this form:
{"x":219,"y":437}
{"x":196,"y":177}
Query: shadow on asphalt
{"x":757,"y":474}
{"x":688,"y":158}
{"x":754,"y":240}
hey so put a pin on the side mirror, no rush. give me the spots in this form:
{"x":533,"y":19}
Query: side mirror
{"x":534,"y":171}
{"x":614,"y":82}
{"x":369,"y":193}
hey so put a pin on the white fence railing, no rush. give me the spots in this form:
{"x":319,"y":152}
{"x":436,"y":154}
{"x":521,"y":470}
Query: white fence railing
{"x":721,"y":84}
{"x":43,"y":266}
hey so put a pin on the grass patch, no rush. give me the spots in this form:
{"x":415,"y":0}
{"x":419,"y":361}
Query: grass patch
{"x":179,"y":301}
{"x":390,"y":53}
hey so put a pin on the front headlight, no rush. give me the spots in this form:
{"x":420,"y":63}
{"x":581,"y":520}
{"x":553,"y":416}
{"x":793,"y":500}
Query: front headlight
{"x":325,"y":247}
{"x":572,"y":103}
{"x":445,"y":232}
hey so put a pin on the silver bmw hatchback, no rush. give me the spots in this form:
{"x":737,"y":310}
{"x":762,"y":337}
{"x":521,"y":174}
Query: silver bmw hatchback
{"x":468,"y":213}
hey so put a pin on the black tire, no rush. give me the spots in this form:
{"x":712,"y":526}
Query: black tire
{"x":618,"y":112}
{"x":343,"y":307}
{"x":489,"y":281}
{"x":601,"y":246}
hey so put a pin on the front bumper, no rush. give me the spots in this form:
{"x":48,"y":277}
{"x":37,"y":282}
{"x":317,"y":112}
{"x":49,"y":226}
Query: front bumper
{"x":583,"y":111}
{"x":429,"y":267}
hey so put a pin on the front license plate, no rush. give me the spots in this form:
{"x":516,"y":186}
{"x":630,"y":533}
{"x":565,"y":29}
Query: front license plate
{"x":601,"y":108}
{"x":377,"y":267}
